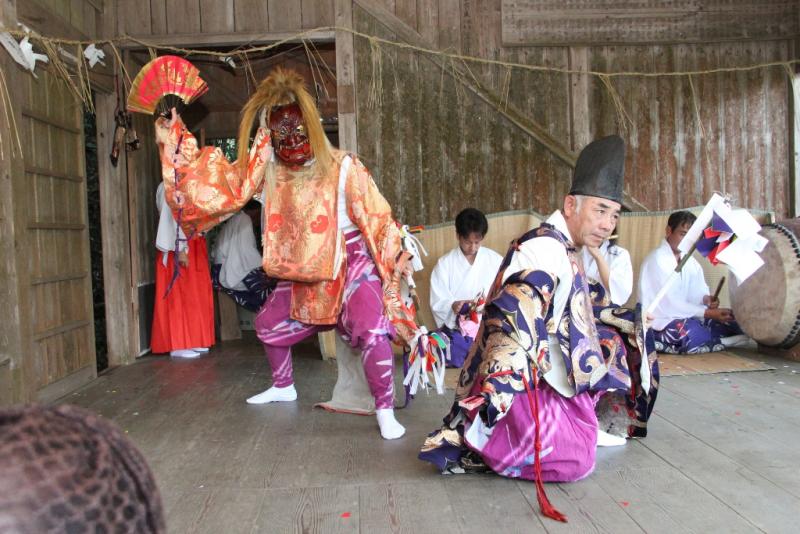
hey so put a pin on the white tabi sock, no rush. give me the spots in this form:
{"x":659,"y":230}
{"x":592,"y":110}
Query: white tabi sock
{"x":390,"y":428}
{"x":274,"y":394}
{"x":200,"y":349}
{"x":739,"y":340}
{"x":184,"y":353}
{"x":604,"y":439}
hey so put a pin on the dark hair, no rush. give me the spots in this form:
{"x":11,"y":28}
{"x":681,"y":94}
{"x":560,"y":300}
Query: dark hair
{"x":252,"y":204}
{"x":680,"y":218}
{"x":470,"y":220}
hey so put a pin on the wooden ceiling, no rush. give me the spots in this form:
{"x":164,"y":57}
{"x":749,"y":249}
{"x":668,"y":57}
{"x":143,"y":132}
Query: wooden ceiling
{"x":230,"y":86}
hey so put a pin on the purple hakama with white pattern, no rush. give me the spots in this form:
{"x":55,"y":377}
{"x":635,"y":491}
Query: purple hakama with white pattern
{"x":362,"y":323}
{"x":694,"y":336}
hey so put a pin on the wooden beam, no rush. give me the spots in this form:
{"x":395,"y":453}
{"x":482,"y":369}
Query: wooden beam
{"x":43,"y":118}
{"x":52,"y":392}
{"x":490,"y":97}
{"x":794,"y":134}
{"x":213,"y":40}
{"x":120,"y":335}
{"x":346,"y":77}
{"x":51,"y":173}
{"x":8,"y":13}
{"x":13,"y":238}
{"x":42,"y":19}
{"x":580,"y":134}
{"x":647,"y":22}
{"x":228,"y":314}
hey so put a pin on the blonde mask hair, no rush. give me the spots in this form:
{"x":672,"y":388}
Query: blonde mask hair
{"x":281,"y":87}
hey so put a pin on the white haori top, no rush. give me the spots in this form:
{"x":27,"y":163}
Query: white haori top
{"x":236,"y":249}
{"x":455,"y":279}
{"x":684,"y":298}
{"x":168,"y":228}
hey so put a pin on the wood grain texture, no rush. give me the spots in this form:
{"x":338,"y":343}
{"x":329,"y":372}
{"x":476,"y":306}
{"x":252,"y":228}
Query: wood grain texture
{"x":593,"y":22}
{"x":251,"y":15}
{"x":217,"y":16}
{"x":183,"y":16}
{"x":224,"y":465}
{"x":284,"y":15}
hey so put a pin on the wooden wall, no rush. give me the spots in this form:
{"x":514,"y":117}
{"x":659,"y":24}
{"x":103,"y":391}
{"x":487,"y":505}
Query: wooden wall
{"x":144,"y":174}
{"x":436,"y":148}
{"x":47,"y":337}
{"x":58,"y":290}
{"x":76,"y":19}
{"x":743,"y":146}
{"x":170,"y":17}
{"x":53,"y":282}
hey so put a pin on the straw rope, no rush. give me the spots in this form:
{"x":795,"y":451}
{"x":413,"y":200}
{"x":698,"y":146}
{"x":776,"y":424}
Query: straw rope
{"x":126,"y":39}
{"x":53,"y":47}
{"x":457,"y":65}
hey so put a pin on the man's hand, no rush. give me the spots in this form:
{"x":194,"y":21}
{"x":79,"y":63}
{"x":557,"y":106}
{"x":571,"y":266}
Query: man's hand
{"x":403,"y":265}
{"x":457,"y":305}
{"x":723,"y":315}
{"x":164,"y":125}
{"x":711,"y":301}
{"x":183,"y":259}
{"x":594,"y":251}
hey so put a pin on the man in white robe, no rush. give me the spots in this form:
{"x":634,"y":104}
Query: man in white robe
{"x":460,"y":281}
{"x":688,"y":319}
{"x":237,"y":261}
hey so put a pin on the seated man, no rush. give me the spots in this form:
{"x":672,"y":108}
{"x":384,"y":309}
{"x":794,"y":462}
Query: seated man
{"x":460,"y":282}
{"x":688,"y":319}
{"x":525,"y":404}
{"x":236,"y":260}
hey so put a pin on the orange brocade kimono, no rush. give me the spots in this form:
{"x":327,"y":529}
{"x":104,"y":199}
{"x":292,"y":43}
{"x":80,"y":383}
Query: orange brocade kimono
{"x":203,"y":189}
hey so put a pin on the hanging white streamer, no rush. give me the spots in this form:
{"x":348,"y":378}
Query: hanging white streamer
{"x":417,"y":375}
{"x":22,"y":52}
{"x":94,"y":55}
{"x":412,"y":245}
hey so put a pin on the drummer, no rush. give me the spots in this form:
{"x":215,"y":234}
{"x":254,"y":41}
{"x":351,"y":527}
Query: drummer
{"x":688,"y":319}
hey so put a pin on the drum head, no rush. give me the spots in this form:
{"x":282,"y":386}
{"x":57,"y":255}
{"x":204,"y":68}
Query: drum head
{"x":767,"y":305}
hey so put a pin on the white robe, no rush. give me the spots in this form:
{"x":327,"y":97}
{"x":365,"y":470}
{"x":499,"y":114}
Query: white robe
{"x":235,"y":248}
{"x":167,"y":227}
{"x":684,"y":298}
{"x":454,"y":279}
{"x":620,"y":275}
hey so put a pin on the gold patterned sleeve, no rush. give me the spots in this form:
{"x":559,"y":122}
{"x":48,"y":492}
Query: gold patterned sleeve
{"x":370,"y":211}
{"x":202,"y":187}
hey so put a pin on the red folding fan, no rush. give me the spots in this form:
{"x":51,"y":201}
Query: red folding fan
{"x":161,"y":77}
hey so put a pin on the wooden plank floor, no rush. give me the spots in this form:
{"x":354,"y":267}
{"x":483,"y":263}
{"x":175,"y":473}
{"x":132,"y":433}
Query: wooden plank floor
{"x":722,"y":456}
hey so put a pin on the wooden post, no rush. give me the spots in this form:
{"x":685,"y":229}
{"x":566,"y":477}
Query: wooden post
{"x":345,"y":74}
{"x":580,"y":136}
{"x":794,"y":134}
{"x":116,"y":239}
{"x":228,"y":317}
{"x":15,"y":370}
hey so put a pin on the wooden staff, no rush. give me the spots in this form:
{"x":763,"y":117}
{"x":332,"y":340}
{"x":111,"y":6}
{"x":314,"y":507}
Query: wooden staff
{"x":719,"y":287}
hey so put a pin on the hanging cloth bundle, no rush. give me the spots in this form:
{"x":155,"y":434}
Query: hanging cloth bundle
{"x":427,"y":354}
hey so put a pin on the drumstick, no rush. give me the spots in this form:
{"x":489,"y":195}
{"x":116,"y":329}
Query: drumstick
{"x":719,"y":287}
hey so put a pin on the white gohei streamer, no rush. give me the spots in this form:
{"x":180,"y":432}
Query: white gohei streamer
{"x":417,"y":375}
{"x":22,"y":52}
